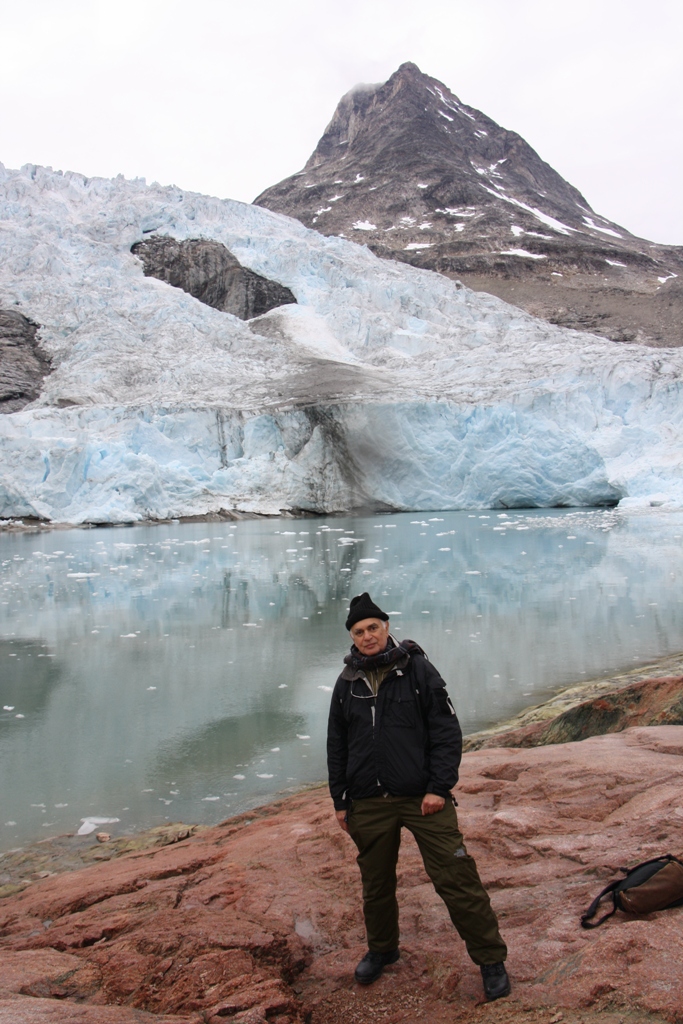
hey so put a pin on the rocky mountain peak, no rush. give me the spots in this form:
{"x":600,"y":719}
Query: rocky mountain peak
{"x":416,"y":122}
{"x":409,"y":169}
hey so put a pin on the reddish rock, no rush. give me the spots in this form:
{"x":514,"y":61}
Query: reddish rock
{"x":260,"y":918}
{"x":39,"y":986}
{"x":647,"y":702}
{"x":23,"y":1010}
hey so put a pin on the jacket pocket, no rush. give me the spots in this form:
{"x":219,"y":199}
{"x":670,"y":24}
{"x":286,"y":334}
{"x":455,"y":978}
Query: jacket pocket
{"x":401,"y":714}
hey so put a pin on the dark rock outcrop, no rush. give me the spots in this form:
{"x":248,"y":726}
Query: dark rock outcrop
{"x":22,"y":365}
{"x":418,"y":176}
{"x":210,"y":272}
{"x":647,"y":702}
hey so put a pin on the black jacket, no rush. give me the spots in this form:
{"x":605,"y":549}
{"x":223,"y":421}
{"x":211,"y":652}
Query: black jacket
{"x":406,"y":741}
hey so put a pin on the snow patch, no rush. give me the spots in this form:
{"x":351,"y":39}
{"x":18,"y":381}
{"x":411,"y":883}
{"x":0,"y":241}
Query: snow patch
{"x":364,"y":225}
{"x":596,"y":227}
{"x":523,"y":252}
{"x":557,"y":225}
{"x":454,"y":212}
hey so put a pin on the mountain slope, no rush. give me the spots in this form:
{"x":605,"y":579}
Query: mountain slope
{"x":418,"y":176}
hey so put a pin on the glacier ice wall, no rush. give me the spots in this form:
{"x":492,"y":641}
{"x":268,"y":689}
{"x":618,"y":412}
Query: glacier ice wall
{"x":386,"y":387}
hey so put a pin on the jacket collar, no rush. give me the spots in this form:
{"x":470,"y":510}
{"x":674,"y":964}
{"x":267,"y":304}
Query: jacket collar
{"x":350,"y":674}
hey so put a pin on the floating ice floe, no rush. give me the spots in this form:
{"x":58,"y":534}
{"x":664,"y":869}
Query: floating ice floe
{"x":90,"y":824}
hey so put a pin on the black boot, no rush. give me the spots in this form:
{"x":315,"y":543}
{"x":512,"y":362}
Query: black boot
{"x":372,"y":965}
{"x":496,"y":981}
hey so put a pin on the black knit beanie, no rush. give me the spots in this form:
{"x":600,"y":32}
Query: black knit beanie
{"x":364,"y":607}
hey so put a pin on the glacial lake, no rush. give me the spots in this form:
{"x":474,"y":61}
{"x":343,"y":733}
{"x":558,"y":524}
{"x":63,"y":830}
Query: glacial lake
{"x":183,"y":672}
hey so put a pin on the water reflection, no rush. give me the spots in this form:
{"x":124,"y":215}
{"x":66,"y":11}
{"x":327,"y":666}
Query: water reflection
{"x":31,"y":690}
{"x":183,"y":672}
{"x":216,"y":753}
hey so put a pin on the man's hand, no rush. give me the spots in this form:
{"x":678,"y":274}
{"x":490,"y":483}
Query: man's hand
{"x":341,"y":818}
{"x":432,"y":803}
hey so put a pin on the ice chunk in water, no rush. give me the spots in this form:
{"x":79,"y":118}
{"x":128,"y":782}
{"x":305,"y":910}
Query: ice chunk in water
{"x":90,"y":824}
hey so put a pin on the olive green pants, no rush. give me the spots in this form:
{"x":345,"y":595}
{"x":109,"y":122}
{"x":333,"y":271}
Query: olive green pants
{"x":375,"y":827}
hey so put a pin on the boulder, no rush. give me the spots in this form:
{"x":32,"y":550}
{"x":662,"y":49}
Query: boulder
{"x":209,"y":271}
{"x":22,"y":364}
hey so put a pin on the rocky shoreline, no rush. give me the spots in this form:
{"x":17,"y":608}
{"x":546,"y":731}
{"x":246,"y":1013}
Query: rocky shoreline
{"x":523,"y":729}
{"x":21,"y":867}
{"x":28,"y":525}
{"x":259,"y":919}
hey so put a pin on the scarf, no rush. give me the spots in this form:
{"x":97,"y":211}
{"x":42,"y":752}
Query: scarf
{"x":391,"y":653}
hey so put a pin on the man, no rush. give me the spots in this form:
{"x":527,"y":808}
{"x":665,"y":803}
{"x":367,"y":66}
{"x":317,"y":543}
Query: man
{"x":393,"y":751}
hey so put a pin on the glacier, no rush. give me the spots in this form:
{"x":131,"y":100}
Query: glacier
{"x":384,"y":388}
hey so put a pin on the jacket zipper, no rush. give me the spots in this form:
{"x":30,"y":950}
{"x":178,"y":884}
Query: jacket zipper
{"x":372,"y":710}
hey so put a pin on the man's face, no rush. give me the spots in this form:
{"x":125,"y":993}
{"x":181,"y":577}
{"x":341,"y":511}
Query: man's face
{"x":370,"y":636}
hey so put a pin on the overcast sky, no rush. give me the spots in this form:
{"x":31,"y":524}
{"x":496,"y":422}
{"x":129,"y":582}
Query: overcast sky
{"x":229,"y":96}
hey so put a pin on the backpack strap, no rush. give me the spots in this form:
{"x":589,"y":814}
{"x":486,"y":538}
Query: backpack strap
{"x":411,"y":646}
{"x":593,"y":909}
